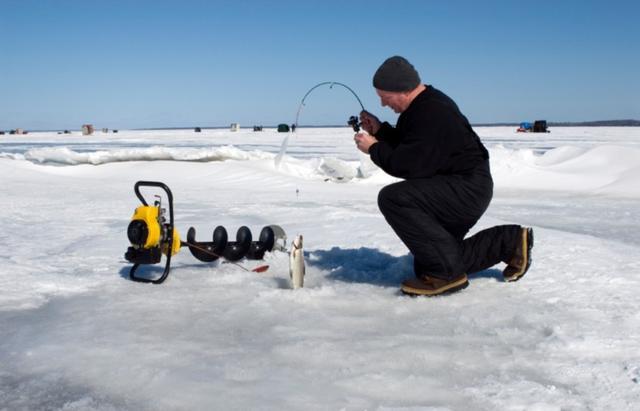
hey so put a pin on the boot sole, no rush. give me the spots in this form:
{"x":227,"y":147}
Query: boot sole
{"x":448,"y":289}
{"x":519,"y":275}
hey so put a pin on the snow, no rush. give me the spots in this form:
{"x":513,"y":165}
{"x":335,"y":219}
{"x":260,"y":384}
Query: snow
{"x":76,"y":334}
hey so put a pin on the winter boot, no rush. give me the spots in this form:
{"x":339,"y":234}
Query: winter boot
{"x":431,"y":286}
{"x":521,"y":261}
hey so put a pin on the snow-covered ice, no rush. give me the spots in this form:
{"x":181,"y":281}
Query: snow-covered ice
{"x":76,"y":334}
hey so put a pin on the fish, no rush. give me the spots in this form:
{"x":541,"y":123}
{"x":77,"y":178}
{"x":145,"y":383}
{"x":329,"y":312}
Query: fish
{"x":296,"y":263}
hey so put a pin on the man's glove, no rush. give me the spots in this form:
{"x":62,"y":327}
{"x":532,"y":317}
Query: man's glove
{"x":369,"y":122}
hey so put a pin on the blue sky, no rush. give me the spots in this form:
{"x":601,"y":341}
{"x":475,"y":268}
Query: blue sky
{"x":133,"y":64}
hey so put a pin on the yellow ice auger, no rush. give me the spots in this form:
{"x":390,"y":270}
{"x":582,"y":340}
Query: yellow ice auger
{"x":151,"y":235}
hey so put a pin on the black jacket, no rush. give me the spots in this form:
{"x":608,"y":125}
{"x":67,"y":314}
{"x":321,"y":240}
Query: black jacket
{"x":431,"y":137}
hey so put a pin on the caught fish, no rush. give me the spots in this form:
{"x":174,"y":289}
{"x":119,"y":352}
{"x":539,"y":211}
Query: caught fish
{"x":296,"y":263}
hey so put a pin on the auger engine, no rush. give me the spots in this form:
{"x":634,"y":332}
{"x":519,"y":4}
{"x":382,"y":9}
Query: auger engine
{"x":150,"y":234}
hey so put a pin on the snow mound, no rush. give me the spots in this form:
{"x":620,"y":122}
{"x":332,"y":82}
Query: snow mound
{"x":606,"y":169}
{"x":66,"y":156}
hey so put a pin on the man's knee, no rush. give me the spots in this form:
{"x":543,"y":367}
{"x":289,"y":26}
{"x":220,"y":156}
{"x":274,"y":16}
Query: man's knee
{"x":383,"y":198}
{"x":389,"y":197}
{"x":397,"y":199}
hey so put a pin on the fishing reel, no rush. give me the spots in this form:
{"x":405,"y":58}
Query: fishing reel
{"x":354,"y":123}
{"x":150,"y":234}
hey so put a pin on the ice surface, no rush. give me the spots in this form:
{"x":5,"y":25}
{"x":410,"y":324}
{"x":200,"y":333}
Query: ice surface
{"x":76,"y":334}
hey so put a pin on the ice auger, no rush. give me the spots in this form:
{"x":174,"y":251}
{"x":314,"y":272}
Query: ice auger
{"x":151,"y":235}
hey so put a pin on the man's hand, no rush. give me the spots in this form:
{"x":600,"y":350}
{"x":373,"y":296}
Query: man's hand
{"x":364,"y":141}
{"x":369,"y":122}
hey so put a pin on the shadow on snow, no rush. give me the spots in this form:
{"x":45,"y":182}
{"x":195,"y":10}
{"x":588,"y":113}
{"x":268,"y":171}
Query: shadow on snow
{"x":368,"y":265}
{"x":355,"y":265}
{"x":362,"y":265}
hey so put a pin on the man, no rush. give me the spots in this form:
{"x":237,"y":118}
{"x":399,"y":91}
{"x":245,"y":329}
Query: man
{"x":446,"y":185}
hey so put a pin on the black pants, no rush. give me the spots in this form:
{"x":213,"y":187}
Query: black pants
{"x":432,"y":215}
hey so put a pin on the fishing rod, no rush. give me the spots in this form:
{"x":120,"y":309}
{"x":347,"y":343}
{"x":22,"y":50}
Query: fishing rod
{"x":353,"y":120}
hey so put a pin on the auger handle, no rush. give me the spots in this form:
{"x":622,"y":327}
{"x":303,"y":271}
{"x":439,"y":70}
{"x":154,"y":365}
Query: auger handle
{"x":163,"y":186}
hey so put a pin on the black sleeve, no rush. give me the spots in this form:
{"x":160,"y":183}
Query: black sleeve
{"x":425,"y":148}
{"x":387,"y":133}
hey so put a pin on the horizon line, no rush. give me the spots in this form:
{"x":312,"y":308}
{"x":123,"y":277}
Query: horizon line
{"x":589,"y":123}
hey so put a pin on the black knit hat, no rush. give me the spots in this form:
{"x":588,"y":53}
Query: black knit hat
{"x":396,"y":74}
